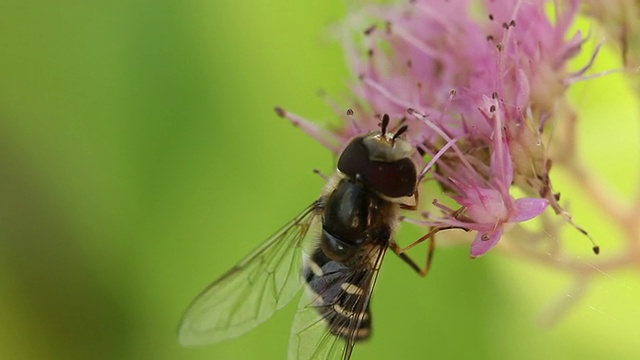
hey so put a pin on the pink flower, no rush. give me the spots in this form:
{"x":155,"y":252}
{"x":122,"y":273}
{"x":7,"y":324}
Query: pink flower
{"x":488,"y":209}
{"x":476,"y":90}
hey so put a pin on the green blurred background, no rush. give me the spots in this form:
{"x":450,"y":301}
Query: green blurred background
{"x":140,"y":158}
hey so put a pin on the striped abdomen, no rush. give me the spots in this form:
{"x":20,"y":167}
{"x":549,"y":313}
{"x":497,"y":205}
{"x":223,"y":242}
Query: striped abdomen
{"x":339,"y":295}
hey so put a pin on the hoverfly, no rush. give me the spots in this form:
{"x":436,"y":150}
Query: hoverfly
{"x":335,"y":247}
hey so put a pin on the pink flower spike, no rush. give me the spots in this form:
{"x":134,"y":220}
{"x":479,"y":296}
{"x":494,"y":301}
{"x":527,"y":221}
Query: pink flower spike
{"x":326,"y":138}
{"x":484,"y":242}
{"x":527,"y":208}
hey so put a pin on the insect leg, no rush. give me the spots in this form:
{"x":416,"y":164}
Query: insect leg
{"x":401,"y":252}
{"x":407,"y":259}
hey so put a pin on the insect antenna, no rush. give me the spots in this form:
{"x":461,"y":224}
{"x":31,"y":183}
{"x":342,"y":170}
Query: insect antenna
{"x":402,"y":130}
{"x":384,"y":124}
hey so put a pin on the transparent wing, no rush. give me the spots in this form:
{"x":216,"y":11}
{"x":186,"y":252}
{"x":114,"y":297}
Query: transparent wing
{"x":254,"y":289}
{"x":335,"y":314}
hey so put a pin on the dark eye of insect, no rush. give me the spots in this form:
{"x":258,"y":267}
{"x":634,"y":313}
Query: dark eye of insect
{"x":393,"y":178}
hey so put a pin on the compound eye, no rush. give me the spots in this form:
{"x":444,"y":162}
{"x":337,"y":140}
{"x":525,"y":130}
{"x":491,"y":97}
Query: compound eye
{"x":393,"y":179}
{"x":354,"y":160}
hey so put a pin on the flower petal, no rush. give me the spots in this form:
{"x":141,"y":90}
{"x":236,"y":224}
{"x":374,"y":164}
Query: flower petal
{"x":527,"y":208}
{"x":484,"y":242}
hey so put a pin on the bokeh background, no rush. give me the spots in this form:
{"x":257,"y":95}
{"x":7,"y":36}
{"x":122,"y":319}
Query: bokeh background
{"x":140,"y":158}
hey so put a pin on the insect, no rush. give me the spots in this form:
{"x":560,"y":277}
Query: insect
{"x":334,"y":248}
